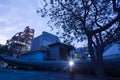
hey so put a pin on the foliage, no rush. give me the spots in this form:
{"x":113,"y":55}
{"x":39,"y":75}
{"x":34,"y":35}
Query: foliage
{"x":78,"y":17}
{"x":4,"y":49}
{"x":97,"y":21}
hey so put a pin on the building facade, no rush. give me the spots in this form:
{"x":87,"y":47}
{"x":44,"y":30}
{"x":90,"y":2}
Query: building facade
{"x":52,"y":47}
{"x":59,"y":51}
{"x":44,"y":40}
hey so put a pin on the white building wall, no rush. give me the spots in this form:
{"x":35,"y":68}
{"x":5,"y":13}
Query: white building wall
{"x":44,"y":40}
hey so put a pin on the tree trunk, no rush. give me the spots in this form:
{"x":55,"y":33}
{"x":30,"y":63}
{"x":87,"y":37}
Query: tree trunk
{"x":97,"y":60}
{"x":99,"y":68}
{"x":99,"y":64}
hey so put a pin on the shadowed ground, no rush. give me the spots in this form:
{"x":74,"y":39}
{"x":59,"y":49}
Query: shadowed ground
{"x":9,"y":74}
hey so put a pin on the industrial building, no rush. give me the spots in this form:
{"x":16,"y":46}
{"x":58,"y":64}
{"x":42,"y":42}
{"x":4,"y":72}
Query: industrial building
{"x":113,"y":52}
{"x":47,"y":47}
{"x":59,"y":51}
{"x":44,"y":39}
{"x":20,"y":43}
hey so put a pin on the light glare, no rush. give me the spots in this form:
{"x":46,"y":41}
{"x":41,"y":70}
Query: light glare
{"x":71,"y":63}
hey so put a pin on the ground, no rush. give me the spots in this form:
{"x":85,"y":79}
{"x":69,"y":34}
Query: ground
{"x":9,"y":74}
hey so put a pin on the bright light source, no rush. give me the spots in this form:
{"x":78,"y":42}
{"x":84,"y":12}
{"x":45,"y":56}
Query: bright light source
{"x":71,"y":63}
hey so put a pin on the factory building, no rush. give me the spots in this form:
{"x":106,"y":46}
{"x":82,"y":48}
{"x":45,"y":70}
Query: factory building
{"x":20,"y":43}
{"x":44,"y":40}
{"x":44,"y":47}
{"x":47,"y":47}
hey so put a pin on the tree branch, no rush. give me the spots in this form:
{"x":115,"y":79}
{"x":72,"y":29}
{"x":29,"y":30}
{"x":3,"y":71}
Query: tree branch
{"x":107,"y":25}
{"x":78,"y":17}
{"x":101,"y":39}
{"x":109,"y":41}
{"x":113,"y":37}
{"x":103,"y":28}
{"x":85,"y":16}
{"x":115,"y":8}
{"x":97,"y":40}
{"x":94,"y":44}
{"x":96,"y":13}
{"x":75,"y":15}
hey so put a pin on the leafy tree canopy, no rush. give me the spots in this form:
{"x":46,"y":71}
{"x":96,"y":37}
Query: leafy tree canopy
{"x":80,"y":19}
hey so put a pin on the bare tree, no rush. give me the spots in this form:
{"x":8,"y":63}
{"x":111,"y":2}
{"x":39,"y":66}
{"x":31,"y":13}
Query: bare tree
{"x":97,"y":21}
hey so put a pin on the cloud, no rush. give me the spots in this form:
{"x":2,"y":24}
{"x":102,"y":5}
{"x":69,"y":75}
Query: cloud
{"x":15,"y":15}
{"x":3,"y":39}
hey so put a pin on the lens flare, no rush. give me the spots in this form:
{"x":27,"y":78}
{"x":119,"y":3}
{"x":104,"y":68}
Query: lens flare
{"x":71,"y":63}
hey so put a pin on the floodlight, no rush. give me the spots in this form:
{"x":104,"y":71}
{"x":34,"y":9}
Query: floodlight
{"x":71,"y":63}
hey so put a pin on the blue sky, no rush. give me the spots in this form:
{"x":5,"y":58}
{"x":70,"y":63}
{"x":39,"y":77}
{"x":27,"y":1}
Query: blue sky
{"x":15,"y":15}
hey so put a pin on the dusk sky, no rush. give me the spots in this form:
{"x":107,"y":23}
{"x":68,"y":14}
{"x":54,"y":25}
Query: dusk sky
{"x":15,"y":15}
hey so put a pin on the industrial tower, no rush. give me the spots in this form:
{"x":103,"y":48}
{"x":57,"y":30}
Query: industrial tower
{"x":20,"y":43}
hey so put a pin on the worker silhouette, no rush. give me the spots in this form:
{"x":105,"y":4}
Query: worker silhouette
{"x":71,"y":71}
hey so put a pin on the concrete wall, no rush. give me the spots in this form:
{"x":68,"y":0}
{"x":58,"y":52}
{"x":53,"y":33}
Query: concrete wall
{"x":35,"y":56}
{"x":54,"y":53}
